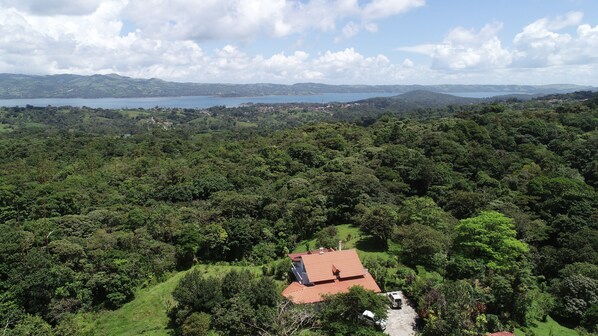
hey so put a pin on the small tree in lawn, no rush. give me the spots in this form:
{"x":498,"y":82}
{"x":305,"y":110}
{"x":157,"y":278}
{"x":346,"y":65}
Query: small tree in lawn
{"x":380,"y":221}
{"x":327,"y":237}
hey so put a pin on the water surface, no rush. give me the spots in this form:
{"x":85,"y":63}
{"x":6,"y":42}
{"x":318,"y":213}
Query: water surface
{"x":209,"y":101}
{"x":191,"y":101}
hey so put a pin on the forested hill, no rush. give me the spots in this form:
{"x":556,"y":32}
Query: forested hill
{"x":419,"y":99}
{"x":103,"y":86}
{"x":484,"y":215}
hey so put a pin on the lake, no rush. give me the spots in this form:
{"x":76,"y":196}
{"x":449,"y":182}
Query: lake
{"x":209,"y":101}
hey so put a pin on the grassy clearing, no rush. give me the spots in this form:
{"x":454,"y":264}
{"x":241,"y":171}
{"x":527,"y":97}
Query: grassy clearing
{"x":352,"y":237}
{"x":549,"y":328}
{"x":147,"y":313}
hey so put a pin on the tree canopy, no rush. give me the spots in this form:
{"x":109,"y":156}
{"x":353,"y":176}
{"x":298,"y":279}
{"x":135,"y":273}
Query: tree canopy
{"x":493,"y":204}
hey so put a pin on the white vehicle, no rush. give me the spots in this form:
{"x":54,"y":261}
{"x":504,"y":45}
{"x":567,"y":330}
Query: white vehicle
{"x":370,"y":318}
{"x":395,"y":300}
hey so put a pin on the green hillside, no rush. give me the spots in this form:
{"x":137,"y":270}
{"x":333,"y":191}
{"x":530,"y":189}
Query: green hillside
{"x":147,"y":313}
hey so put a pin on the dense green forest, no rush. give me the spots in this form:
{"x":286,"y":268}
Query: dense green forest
{"x":487,"y":214}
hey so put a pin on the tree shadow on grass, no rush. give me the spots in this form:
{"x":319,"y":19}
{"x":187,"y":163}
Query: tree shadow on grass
{"x":370,"y":244}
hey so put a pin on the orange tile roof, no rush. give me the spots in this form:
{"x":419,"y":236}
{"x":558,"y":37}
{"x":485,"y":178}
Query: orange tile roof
{"x":323,"y":267}
{"x":299,"y":293}
{"x":297,"y":256}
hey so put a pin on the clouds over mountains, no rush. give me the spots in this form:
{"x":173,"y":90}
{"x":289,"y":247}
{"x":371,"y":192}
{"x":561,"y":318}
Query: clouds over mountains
{"x":158,"y":38}
{"x":215,"y":41}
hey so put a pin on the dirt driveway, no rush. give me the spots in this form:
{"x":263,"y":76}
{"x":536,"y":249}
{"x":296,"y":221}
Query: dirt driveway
{"x":401,"y":322}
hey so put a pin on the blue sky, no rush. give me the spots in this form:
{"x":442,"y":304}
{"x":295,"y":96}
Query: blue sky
{"x":290,"y":41}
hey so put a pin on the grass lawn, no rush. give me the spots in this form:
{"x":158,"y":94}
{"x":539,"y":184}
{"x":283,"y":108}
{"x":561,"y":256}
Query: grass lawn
{"x":147,"y":313}
{"x":352,"y":237}
{"x":549,"y":328}
{"x":134,"y":113}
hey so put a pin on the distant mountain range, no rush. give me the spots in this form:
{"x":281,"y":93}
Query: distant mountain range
{"x":116,"y":86}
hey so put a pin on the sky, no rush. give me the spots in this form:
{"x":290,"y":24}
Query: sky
{"x":293,"y":41}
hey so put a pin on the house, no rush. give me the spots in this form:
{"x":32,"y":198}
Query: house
{"x":326,"y":271}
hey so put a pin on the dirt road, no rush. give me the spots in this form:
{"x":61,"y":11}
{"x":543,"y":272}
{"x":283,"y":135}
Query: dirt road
{"x":401,"y":322}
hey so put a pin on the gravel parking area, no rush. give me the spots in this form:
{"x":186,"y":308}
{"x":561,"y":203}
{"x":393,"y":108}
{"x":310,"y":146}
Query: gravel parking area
{"x":401,"y":322}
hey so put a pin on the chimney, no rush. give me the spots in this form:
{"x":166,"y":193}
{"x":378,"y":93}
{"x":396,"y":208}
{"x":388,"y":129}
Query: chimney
{"x":340,"y":245}
{"x":321,"y":250}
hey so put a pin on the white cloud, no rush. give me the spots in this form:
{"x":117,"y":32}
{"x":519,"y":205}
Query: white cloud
{"x":351,"y":29}
{"x":379,"y":9}
{"x":280,"y":64}
{"x":541,"y":43}
{"x":53,"y":7}
{"x":86,"y":45}
{"x":349,"y":66}
{"x":164,"y":38}
{"x":466,"y":49}
{"x":543,"y":29}
{"x":373,"y":11}
{"x":245,"y":19}
{"x":208,"y":19}
{"x":341,"y":60}
{"x":169,"y":39}
{"x":344,"y":66}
